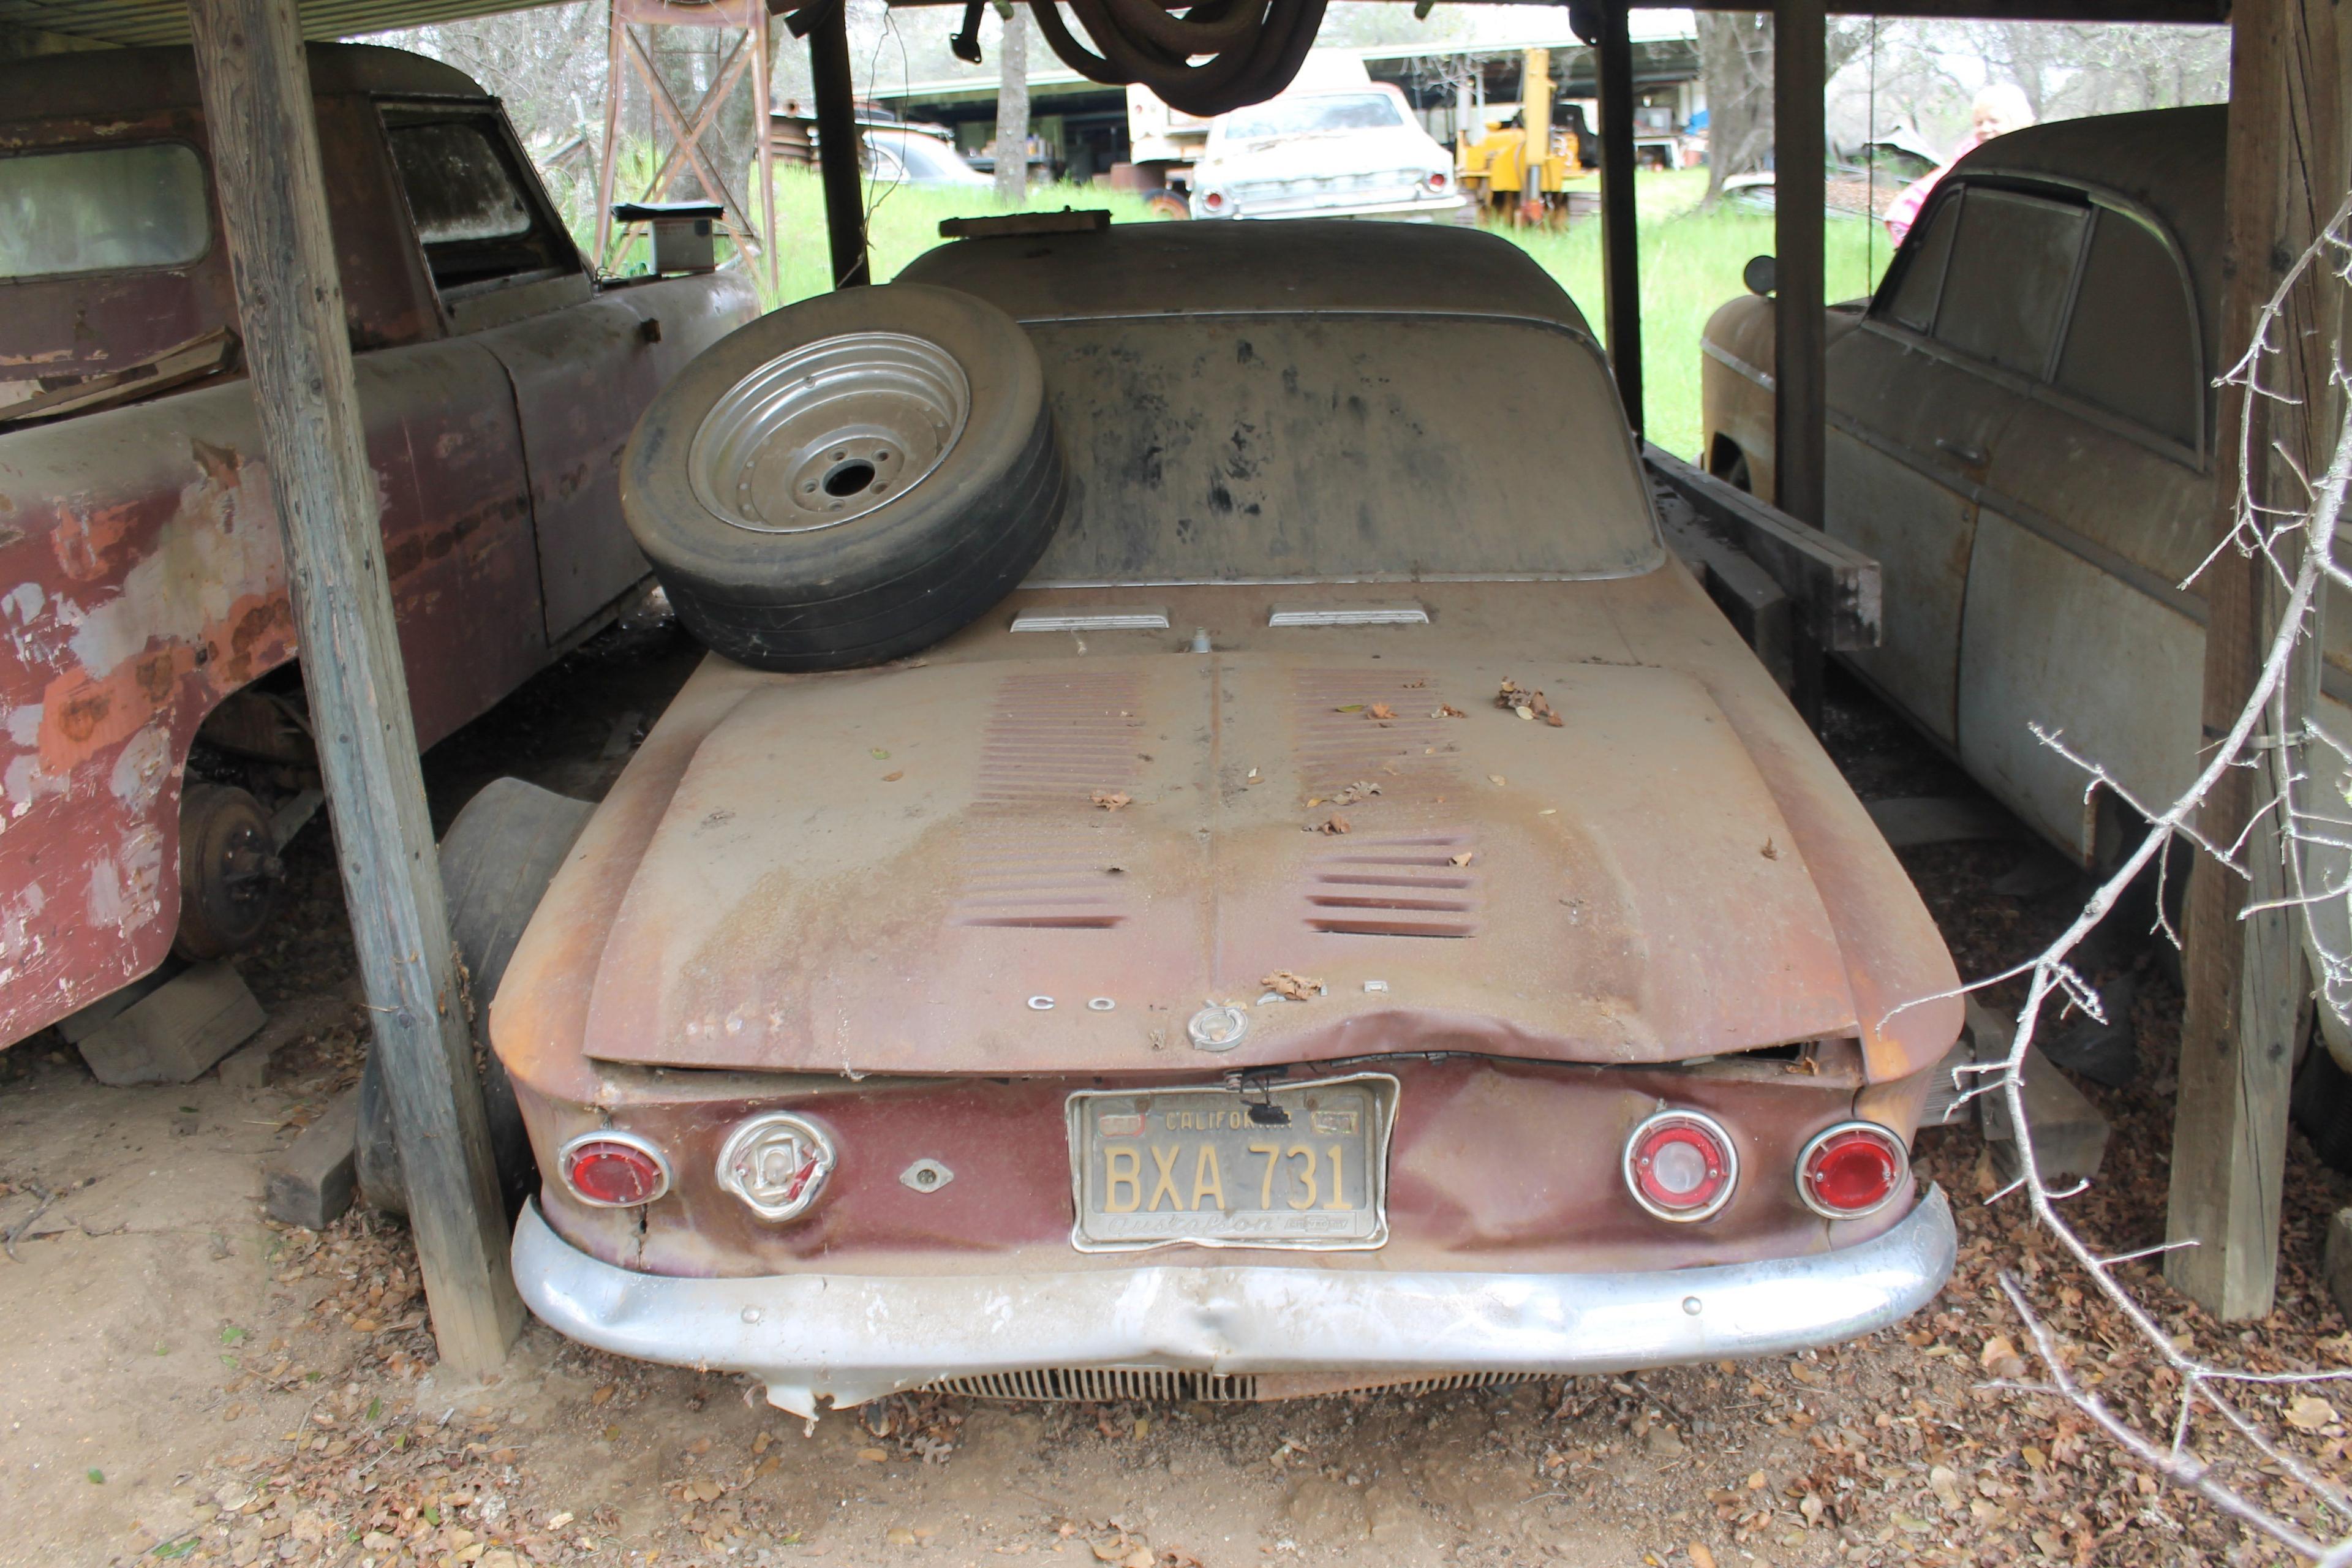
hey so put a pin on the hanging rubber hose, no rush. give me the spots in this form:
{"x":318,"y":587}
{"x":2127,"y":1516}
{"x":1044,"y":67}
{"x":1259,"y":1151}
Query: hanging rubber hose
{"x":1254,"y":46}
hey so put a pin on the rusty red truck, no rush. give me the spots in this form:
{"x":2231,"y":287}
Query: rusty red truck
{"x":143,"y":589}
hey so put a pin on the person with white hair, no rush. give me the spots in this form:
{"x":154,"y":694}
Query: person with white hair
{"x":1999,"y":109}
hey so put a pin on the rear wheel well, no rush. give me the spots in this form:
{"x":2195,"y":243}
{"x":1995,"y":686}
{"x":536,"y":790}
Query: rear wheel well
{"x":1726,"y":460}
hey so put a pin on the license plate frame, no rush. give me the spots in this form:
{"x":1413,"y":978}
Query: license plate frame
{"x":1317,"y":1226}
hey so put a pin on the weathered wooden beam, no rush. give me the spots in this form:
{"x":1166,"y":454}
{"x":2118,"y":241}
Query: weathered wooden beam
{"x":1620,"y":283}
{"x":1835,"y":586}
{"x":265,"y":145}
{"x":1800,"y":196}
{"x":2286,"y":171}
{"x":838,"y":140}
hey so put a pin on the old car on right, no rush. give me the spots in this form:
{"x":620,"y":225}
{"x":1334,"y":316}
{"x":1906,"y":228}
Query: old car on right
{"x":2023,"y":427}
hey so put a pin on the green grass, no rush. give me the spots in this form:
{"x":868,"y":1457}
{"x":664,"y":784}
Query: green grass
{"x":1690,"y":262}
{"x":1689,"y":265}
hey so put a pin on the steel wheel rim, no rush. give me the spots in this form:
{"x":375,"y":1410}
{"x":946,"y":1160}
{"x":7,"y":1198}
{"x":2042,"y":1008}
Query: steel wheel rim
{"x":829,"y":433}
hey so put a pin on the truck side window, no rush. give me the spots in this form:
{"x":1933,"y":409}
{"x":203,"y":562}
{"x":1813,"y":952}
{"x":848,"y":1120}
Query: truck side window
{"x":2005,"y":289}
{"x":1912,"y":303}
{"x":2132,"y":346}
{"x":101,"y":209}
{"x":472,"y":216}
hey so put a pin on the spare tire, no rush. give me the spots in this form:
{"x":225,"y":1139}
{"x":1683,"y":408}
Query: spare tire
{"x":847,"y":479}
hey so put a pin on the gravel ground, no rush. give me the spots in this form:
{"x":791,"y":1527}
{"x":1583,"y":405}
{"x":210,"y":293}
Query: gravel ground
{"x":182,"y":1381}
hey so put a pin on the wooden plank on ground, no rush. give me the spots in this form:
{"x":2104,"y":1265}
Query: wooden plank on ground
{"x":171,"y":1034}
{"x":311,"y":1181}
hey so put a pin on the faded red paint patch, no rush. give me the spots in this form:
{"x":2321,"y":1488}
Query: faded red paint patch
{"x":258,"y":636}
{"x":95,"y":543}
{"x":81,"y":716}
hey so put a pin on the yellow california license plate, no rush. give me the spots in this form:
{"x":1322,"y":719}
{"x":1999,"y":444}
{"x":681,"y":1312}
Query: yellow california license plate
{"x":1287,"y":1165}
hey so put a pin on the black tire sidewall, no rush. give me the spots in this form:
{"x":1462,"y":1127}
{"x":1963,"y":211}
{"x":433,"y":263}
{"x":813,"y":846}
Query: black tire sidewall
{"x":835,"y":569}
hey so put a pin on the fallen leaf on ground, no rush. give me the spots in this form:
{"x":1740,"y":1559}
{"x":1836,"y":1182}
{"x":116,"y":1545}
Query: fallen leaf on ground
{"x":1700,"y":1556}
{"x":873,"y":1456}
{"x":2309,"y":1413}
{"x":1999,"y":1357}
{"x":1110,"y":799}
{"x":1296,"y":987}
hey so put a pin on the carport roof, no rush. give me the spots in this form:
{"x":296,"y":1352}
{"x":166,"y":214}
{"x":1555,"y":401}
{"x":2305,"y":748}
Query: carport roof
{"x":166,"y":21}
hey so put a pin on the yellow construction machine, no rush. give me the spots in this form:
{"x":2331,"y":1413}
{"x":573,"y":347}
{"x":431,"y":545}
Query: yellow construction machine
{"x":1491,"y":162}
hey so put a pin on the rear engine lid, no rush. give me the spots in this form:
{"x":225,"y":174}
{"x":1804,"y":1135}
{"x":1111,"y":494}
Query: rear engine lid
{"x":1051,"y":865}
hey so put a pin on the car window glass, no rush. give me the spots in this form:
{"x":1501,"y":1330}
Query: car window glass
{"x":1912,"y":303}
{"x":472,"y":215}
{"x":101,"y":209}
{"x":2005,"y":287}
{"x":2131,"y":344}
{"x":1302,"y":116}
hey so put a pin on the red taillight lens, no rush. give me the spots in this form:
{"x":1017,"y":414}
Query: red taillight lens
{"x":1437,"y":181}
{"x":614,"y":1169}
{"x":1852,"y":1170}
{"x":1680,"y":1165}
{"x":1214,"y":201}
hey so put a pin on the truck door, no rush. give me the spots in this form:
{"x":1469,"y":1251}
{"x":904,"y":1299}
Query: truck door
{"x":581,"y":365}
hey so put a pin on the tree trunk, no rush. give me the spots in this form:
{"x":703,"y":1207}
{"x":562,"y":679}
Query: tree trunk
{"x":1735,"y":52}
{"x":1013,"y":110}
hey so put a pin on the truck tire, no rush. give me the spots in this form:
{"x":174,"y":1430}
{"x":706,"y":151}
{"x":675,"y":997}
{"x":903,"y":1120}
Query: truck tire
{"x":847,"y":479}
{"x":496,"y":860}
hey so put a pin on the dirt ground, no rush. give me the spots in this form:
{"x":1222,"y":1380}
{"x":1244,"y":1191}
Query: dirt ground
{"x":183,"y":1381}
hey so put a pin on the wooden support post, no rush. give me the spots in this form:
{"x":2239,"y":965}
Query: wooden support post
{"x":838,"y":144}
{"x":1621,"y":284}
{"x":612,"y":150}
{"x":2286,"y":171}
{"x":1800,"y":196}
{"x":772,"y":244}
{"x":264,"y":136}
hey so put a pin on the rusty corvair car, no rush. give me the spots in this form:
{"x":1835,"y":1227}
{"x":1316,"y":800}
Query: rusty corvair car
{"x":141,"y":586}
{"x":1200,"y":975}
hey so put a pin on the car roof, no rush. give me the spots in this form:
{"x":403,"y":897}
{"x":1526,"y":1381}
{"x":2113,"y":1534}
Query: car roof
{"x":2167,"y":162}
{"x":1301,"y":264}
{"x":110,"y":81}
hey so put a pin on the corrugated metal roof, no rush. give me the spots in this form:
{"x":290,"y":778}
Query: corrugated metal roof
{"x":166,"y":21}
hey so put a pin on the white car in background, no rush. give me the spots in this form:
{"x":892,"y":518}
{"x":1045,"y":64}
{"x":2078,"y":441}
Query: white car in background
{"x":1345,"y":152}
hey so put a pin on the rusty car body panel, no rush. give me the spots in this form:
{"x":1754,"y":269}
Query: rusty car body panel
{"x":2039,"y":528}
{"x":921,"y":904}
{"x":144,"y":578}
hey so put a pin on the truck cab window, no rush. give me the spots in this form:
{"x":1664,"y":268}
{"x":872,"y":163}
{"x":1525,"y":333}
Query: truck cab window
{"x":101,"y":209}
{"x":472,"y":216}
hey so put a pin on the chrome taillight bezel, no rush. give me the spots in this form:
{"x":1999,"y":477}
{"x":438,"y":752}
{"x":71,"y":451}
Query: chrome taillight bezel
{"x":751,"y":1131}
{"x":642,"y":1145}
{"x":1879,"y":1133}
{"x":1712,"y":1130}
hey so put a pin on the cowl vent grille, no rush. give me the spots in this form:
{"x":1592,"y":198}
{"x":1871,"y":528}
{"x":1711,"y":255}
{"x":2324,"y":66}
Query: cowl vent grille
{"x":1054,"y":741}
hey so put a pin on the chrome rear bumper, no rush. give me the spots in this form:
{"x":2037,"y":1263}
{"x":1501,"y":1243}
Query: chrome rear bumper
{"x":849,"y":1338}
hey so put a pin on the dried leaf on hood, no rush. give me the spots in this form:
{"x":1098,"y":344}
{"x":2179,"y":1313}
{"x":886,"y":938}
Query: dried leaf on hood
{"x":1380,"y":710}
{"x":1462,"y":859}
{"x":1350,"y":708}
{"x":894,"y":777}
{"x":1334,"y":825}
{"x":1447,"y":710}
{"x":1294,"y":987}
{"x":1362,"y":789}
{"x":1526,"y":703}
{"x":1110,"y":799}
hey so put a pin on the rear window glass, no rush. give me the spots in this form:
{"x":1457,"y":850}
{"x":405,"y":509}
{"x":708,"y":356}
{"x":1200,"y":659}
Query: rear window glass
{"x":1912,"y":303}
{"x":2131,"y":346}
{"x":101,"y":209}
{"x":1300,"y":116}
{"x":1272,"y":448}
{"x":2005,"y":288}
{"x":459,"y":187}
